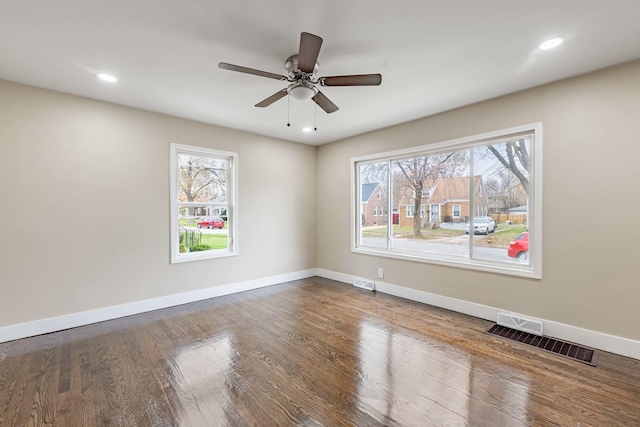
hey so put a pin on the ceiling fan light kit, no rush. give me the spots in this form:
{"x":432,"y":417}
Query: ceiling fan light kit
{"x":302,"y":91}
{"x":302,"y":72}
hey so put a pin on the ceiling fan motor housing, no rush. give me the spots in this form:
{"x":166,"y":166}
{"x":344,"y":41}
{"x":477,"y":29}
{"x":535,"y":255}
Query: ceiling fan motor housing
{"x":291,"y":64}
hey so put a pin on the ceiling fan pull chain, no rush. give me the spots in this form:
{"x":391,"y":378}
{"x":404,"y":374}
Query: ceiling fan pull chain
{"x":288,"y":104}
{"x":315,"y":113}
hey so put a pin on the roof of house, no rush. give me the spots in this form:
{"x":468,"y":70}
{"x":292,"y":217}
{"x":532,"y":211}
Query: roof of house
{"x":523,"y":209}
{"x":448,"y":189}
{"x":367,"y":191}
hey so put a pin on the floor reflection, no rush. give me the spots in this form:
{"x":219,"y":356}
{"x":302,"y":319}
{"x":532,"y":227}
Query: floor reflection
{"x":410,"y":381}
{"x":201,"y":380}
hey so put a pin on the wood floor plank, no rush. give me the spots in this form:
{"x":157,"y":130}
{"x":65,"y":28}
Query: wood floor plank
{"x":312,"y":352}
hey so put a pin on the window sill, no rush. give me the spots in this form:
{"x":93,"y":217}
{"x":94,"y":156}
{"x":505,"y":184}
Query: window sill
{"x":199,"y":256}
{"x":516,"y":269}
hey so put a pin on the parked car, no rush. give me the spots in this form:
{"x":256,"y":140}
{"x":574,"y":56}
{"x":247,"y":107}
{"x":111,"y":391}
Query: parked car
{"x":519,"y":248}
{"x":482,"y":225}
{"x":214,"y":222}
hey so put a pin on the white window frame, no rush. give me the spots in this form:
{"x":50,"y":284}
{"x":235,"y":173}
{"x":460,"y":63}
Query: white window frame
{"x":231,"y":203}
{"x":533,"y":270}
{"x":428,"y":193}
{"x":453,"y":211}
{"x":406,"y":214}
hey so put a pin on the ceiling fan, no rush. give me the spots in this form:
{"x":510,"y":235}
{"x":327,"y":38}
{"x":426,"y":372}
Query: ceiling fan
{"x":302,"y":69}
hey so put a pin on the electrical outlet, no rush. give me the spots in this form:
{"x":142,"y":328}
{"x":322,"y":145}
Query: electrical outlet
{"x":381,"y":273}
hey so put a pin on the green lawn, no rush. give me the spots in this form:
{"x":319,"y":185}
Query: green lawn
{"x":501,"y":238}
{"x":216,"y":241}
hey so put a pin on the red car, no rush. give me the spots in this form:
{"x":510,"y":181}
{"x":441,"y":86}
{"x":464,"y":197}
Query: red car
{"x":214,"y":222}
{"x":519,"y":248}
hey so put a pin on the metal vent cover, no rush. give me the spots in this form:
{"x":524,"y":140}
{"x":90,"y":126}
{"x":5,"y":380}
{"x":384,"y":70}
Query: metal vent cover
{"x":572,"y":351}
{"x":520,"y":323}
{"x":364,"y":284}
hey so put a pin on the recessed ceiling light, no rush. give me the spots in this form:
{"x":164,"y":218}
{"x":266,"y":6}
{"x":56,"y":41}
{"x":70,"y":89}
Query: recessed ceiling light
{"x":551,"y":43}
{"x":107,"y":77}
{"x":306,"y":129}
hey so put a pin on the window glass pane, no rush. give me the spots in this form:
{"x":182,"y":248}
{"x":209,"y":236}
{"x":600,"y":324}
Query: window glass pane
{"x":202,"y":226}
{"x":502,"y":175}
{"x":425,"y":189}
{"x":202,"y":232}
{"x":202,"y":178}
{"x":373,"y":199}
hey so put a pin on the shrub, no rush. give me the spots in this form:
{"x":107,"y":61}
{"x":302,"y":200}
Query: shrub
{"x":199,"y":248}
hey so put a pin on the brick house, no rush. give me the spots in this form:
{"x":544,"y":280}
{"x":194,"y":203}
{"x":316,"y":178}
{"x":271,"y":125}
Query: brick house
{"x":445,"y":200}
{"x":374,"y":207}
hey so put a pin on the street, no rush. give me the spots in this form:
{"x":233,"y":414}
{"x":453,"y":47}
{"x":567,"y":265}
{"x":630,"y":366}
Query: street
{"x":453,"y":246}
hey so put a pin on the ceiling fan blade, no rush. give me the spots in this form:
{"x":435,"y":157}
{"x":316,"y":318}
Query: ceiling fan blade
{"x":246,"y":70}
{"x":353,"y":80}
{"x":308,"y":52}
{"x":325,"y":103}
{"x":273,"y":98}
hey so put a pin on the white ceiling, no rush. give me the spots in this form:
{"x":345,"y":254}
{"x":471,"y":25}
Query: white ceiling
{"x":434,"y":55}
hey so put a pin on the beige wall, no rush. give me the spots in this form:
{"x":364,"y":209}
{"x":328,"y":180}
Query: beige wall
{"x":84,"y":205}
{"x":81,"y":181}
{"x":591,"y":156}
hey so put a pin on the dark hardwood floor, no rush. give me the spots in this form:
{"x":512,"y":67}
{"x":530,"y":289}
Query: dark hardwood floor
{"x":307,"y":353}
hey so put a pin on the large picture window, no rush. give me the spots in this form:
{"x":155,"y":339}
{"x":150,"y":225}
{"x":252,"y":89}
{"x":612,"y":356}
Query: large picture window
{"x":203,"y":203}
{"x":479,"y":199}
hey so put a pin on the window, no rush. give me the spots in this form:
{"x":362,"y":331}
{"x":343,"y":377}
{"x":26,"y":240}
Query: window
{"x":379,"y":195}
{"x":375,"y":211}
{"x":465,"y":176}
{"x":203,"y":203}
{"x":426,"y":192}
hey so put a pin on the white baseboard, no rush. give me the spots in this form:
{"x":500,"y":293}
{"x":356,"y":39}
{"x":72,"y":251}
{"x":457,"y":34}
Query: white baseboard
{"x":611,"y":343}
{"x":53,"y":324}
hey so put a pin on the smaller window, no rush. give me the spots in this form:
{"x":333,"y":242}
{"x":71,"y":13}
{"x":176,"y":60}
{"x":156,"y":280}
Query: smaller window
{"x":375,"y":211}
{"x":426,"y":192}
{"x":410,"y":210}
{"x":203,"y":196}
{"x":456,"y":211}
{"x":379,"y":195}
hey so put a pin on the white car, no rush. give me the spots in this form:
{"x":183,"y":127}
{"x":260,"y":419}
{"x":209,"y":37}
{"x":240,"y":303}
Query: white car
{"x":482,"y":225}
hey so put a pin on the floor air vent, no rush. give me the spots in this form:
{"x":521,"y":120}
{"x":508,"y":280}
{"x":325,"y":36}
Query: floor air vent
{"x":562,"y":348}
{"x":363,"y":283}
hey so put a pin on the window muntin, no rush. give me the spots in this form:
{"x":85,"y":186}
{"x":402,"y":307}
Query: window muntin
{"x":497,"y":171}
{"x":203,"y":199}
